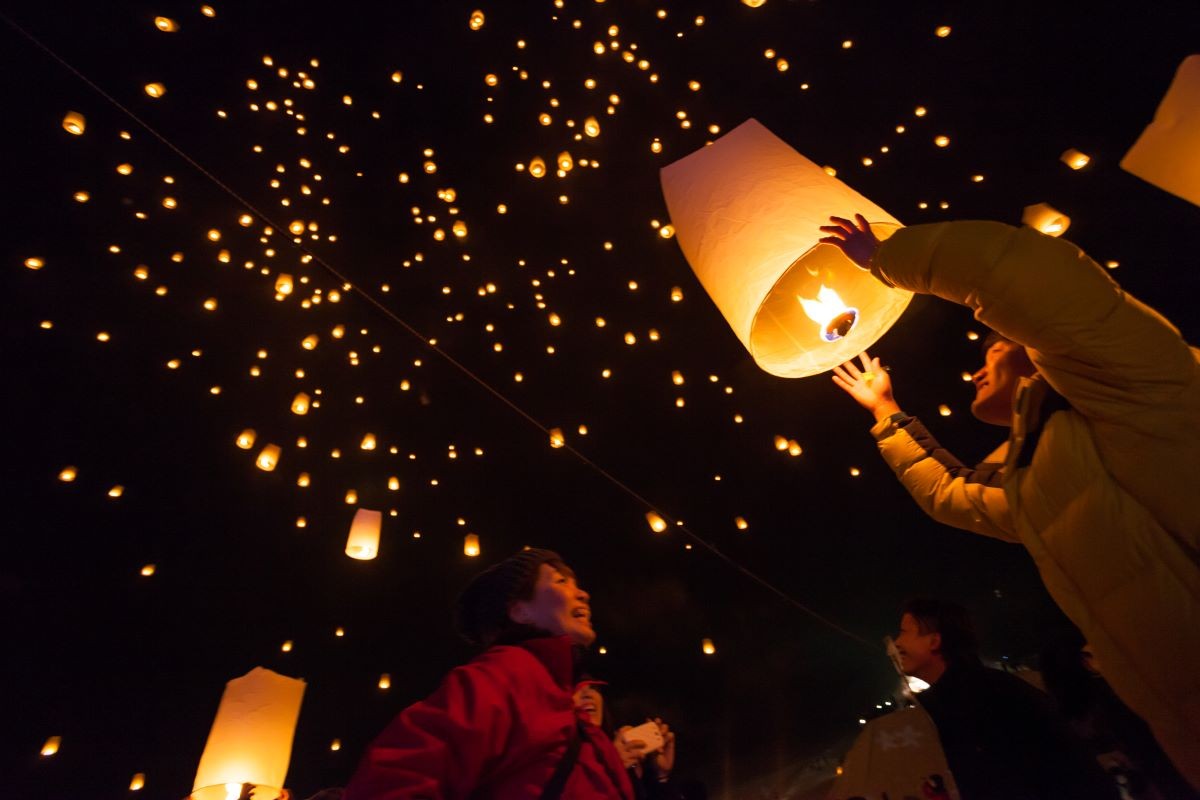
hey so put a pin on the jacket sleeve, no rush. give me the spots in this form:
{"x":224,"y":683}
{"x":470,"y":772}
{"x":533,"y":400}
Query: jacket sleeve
{"x":1086,"y":336}
{"x":944,"y":488}
{"x":439,"y":748}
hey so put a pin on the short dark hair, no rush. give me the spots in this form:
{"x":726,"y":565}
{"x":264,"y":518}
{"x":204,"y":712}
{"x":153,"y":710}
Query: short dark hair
{"x":482,"y":613}
{"x":959,"y":645}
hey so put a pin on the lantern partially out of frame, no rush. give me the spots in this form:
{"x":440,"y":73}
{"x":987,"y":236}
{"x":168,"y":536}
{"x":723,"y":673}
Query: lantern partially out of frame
{"x":363,"y":542}
{"x":251,"y":738}
{"x":1167,"y":154}
{"x":747,"y":212}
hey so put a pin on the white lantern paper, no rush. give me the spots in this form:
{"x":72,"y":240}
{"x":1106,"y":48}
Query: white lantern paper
{"x":1046,"y":218}
{"x":251,"y":737}
{"x":1167,"y":154}
{"x":363,"y":542}
{"x":747,"y":212}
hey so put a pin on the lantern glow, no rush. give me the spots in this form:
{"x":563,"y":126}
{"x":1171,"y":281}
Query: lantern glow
{"x":471,"y":545}
{"x":363,"y":541}
{"x":747,"y":213}
{"x":1166,"y":154}
{"x":1046,"y":218}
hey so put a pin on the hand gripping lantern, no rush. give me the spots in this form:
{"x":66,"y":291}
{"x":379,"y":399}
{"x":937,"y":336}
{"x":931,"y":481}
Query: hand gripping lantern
{"x":747,"y":212}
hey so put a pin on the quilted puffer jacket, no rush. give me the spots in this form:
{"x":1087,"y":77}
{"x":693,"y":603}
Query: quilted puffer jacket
{"x":1100,"y":476}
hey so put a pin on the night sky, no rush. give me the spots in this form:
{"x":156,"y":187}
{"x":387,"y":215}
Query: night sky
{"x":128,"y":668}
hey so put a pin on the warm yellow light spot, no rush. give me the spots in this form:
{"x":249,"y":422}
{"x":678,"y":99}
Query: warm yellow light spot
{"x":125,"y":169}
{"x":385,"y":681}
{"x":303,"y":480}
{"x":67,"y":474}
{"x":920,"y":111}
{"x":855,"y":472}
{"x":591,"y":127}
{"x":942,"y":31}
{"x":782,"y":65}
{"x":34,"y":263}
{"x":847,"y":44}
{"x":339,"y":632}
{"x":944,"y":410}
{"x":537,"y":167}
{"x":368,"y":442}
{"x":351,"y":497}
{"x":155,"y":89}
{"x":116,"y":491}
{"x":208,"y":11}
{"x":476,"y":21}
{"x":286,"y":647}
{"x":557,"y":438}
{"x":148,"y":570}
{"x":82,"y":197}
{"x":656,"y":522}
{"x":335,"y":745}
{"x":75,"y":123}
{"x":51,"y":746}
{"x":268,"y":458}
{"x":1112,"y":264}
{"x":666,"y":231}
{"x":630,"y":338}
{"x":830,"y":171}
{"x":942,"y":141}
{"x":794,"y":449}
{"x":309,"y":342}
{"x":471,"y":545}
{"x":1075,"y":159}
{"x":166,"y":24}
{"x":676,"y":294}
{"x":137,"y":782}
{"x":301,"y":522}
{"x":708,"y":647}
{"x":103,"y":336}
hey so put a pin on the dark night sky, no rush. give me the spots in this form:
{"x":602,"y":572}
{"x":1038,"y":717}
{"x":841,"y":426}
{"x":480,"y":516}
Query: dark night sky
{"x":128,"y":669}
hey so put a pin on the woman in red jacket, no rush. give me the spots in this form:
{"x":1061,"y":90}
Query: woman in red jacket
{"x":503,"y":726}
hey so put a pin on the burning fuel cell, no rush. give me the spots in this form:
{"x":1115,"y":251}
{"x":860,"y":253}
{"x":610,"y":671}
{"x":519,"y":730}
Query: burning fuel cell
{"x":747,"y":212}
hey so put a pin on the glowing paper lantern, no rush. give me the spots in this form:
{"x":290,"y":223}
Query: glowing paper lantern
{"x":268,"y":458}
{"x":656,"y":522}
{"x":75,"y":123}
{"x":245,"y":439}
{"x":251,"y":737}
{"x":284,"y":284}
{"x":51,"y":746}
{"x":471,"y":545}
{"x":1075,"y":159}
{"x":747,"y":212}
{"x":300,"y":403}
{"x":166,"y":24}
{"x":363,"y":542}
{"x":1167,"y":154}
{"x":1046,"y":218}
{"x":708,"y":647}
{"x":137,"y":782}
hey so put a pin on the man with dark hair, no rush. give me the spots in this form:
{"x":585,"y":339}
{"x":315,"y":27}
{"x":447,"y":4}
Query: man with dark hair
{"x":1098,"y":477}
{"x":503,"y":726}
{"x":1001,"y":736}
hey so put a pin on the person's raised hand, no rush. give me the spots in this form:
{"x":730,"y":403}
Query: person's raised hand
{"x":870,"y":386}
{"x":855,"y":239}
{"x":664,"y":759}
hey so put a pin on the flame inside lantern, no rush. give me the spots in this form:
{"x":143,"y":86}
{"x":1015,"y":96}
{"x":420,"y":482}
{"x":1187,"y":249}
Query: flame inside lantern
{"x":834,"y":316}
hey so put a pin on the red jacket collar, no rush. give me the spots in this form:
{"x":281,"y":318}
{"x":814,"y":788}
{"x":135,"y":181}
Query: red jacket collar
{"x":557,"y":653}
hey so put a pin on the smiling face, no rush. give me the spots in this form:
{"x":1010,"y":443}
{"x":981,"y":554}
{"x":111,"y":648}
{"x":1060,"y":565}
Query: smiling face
{"x":1005,"y":363}
{"x":589,"y":700}
{"x":558,"y":607}
{"x":919,"y":652}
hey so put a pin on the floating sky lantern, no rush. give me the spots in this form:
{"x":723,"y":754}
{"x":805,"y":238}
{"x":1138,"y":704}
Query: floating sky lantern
{"x":363,"y":542}
{"x":166,"y":24}
{"x":245,"y":439}
{"x":137,"y":782}
{"x":708,"y":647}
{"x":1166,"y":154}
{"x":471,"y":545}
{"x":747,"y":212}
{"x":51,"y":746}
{"x":1046,"y":218}
{"x":476,"y":21}
{"x":75,"y":123}
{"x":1075,"y":159}
{"x":656,"y":522}
{"x":268,"y":458}
{"x":300,"y":403}
{"x":251,"y":737}
{"x":155,"y":89}
{"x":284,"y":284}
{"x":557,"y":439}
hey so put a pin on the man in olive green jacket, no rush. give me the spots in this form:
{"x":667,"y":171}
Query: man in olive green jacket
{"x":1100,"y":476}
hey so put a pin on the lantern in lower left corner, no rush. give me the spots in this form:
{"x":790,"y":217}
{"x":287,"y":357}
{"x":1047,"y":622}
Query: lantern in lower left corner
{"x":250,"y":743}
{"x":363,"y":541}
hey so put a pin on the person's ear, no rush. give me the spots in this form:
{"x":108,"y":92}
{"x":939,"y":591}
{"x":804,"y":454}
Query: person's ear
{"x":935,"y":643}
{"x":520,"y":613}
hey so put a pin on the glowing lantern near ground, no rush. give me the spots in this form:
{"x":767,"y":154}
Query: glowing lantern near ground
{"x":245,"y":439}
{"x":75,"y":123}
{"x":300,"y":403}
{"x":1046,"y":218}
{"x":268,"y":458}
{"x":708,"y":647}
{"x":1075,"y":159}
{"x":251,"y":737}
{"x":656,"y":522}
{"x":471,"y":545}
{"x":363,"y":541}
{"x":747,"y":212}
{"x":1166,"y":153}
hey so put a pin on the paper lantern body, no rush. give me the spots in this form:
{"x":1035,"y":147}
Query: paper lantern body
{"x":251,"y":736}
{"x":363,"y":542}
{"x":1046,"y":218}
{"x":747,"y":212}
{"x":1167,"y":154}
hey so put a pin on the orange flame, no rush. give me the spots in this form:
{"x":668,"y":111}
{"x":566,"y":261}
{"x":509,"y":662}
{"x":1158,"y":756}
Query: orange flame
{"x":828,"y":311}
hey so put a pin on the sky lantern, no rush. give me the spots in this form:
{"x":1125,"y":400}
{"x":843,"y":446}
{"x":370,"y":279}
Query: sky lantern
{"x":166,"y":24}
{"x":1046,"y":218}
{"x":155,"y":89}
{"x":471,"y":545}
{"x":251,"y":737}
{"x":1166,"y":154}
{"x":557,"y":439}
{"x":708,"y":647}
{"x":476,"y":20}
{"x":284,"y":284}
{"x":310,"y":342}
{"x":300,"y":403}
{"x":747,"y":212}
{"x":137,"y":782}
{"x":537,"y":167}
{"x":363,"y":541}
{"x":268,"y":458}
{"x":656,"y":522}
{"x":1075,"y":159}
{"x":591,"y":127}
{"x":245,"y":439}
{"x":51,"y":746}
{"x":75,"y":123}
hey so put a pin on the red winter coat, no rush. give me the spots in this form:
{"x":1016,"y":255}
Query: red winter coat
{"x":496,"y":728}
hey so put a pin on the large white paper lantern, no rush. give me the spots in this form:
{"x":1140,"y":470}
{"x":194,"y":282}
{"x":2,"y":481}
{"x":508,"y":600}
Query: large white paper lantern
{"x":250,"y":743}
{"x":1168,"y":152}
{"x":747,"y":212}
{"x":363,"y":542}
